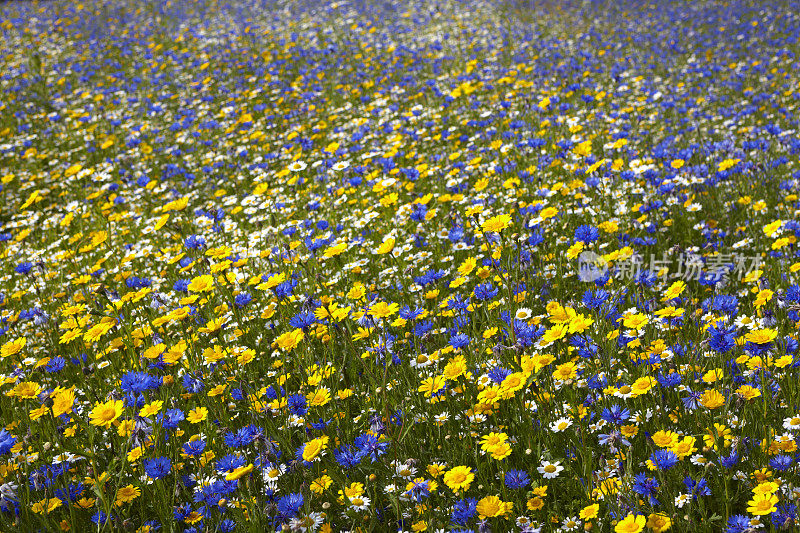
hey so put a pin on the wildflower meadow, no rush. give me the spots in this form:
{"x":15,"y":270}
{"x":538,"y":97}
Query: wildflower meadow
{"x":447,"y":265}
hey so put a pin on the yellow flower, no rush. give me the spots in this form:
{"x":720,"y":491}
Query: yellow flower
{"x":383,"y":310}
{"x":104,"y":414}
{"x":151,"y":408}
{"x":357,"y":291}
{"x":202,"y":283}
{"x":712,"y":399}
{"x":289,"y":340}
{"x":314,"y":448}
{"x":12,"y":347}
{"x":386,"y":247}
{"x":748,"y":392}
{"x":762,"y":504}
{"x":535,"y":503}
{"x":665,"y":439}
{"x":511,"y":384}
{"x":432,"y":385}
{"x":565,"y":371}
{"x":589,"y":512}
{"x":642,"y":385}
{"x":321,"y":483}
{"x":127,"y":494}
{"x":496,"y":224}
{"x":635,"y":321}
{"x":677,"y":163}
{"x":459,"y":478}
{"x":320,"y":396}
{"x":46,"y":505}
{"x":684,"y":447}
{"x":659,"y":522}
{"x":631,"y":524}
{"x":333,"y":251}
{"x":239,"y":472}
{"x":761,"y":336}
{"x":766,"y":487}
{"x":26,"y":390}
{"x":492,"y":506}
{"x":197,"y":415}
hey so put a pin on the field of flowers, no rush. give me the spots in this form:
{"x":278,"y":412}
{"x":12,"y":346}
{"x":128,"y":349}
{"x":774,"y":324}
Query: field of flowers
{"x":460,"y":265}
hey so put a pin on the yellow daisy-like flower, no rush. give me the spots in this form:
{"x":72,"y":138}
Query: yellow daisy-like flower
{"x":197,"y":415}
{"x":127,"y":494}
{"x":386,"y":247}
{"x":459,"y":478}
{"x":631,"y":524}
{"x":492,"y":506}
{"x":589,"y":512}
{"x":761,"y":336}
{"x":12,"y":347}
{"x":104,"y":414}
{"x":289,"y":340}
{"x":712,"y":399}
{"x":202,"y":283}
{"x":314,"y":448}
{"x":151,"y":408}
{"x":496,"y":224}
{"x":383,"y":310}
{"x":239,"y":472}
{"x":63,"y":400}
{"x":762,"y":504}
{"x":659,"y":522}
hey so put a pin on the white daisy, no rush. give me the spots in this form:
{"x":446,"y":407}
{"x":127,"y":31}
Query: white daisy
{"x":550,"y":470}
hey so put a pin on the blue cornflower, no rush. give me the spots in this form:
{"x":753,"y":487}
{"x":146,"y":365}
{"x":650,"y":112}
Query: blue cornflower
{"x":56,"y":364}
{"x":730,"y":461}
{"x":459,"y":341}
{"x":611,"y":438}
{"x":297,"y":404}
{"x":23,"y":268}
{"x":303,"y":320}
{"x":290,"y":505}
{"x":157,"y":467}
{"x":370,"y":446}
{"x":664,"y":459}
{"x":101,"y":518}
{"x":781,"y":462}
{"x":463,"y":510}
{"x":647,"y":487}
{"x":595,"y":300}
{"x":242,"y":299}
{"x":347,"y":456}
{"x":171,"y":418}
{"x":738,"y":524}
{"x":228,"y":463}
{"x":139,"y":382}
{"x":692,"y":401}
{"x":192,"y":384}
{"x":697,"y":488}
{"x":485,"y":291}
{"x":586,"y":234}
{"x":406,"y":313}
{"x":722,"y":339}
{"x":616,"y":414}
{"x":516,"y":479}
{"x":194,"y":448}
{"x":226,"y":525}
{"x":669,"y":380}
{"x":785,"y":516}
{"x":498,"y":374}
{"x":419,"y":490}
